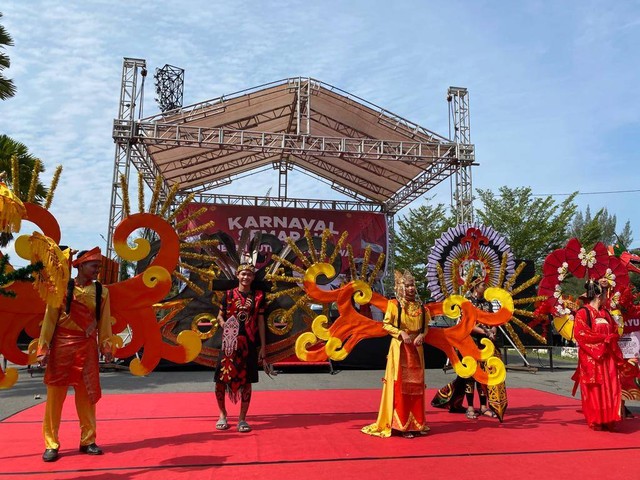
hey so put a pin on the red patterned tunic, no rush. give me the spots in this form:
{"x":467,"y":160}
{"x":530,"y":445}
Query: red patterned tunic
{"x":238,"y":360}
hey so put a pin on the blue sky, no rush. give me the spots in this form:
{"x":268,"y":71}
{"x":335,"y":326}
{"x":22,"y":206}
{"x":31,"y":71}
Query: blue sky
{"x":553,"y":86}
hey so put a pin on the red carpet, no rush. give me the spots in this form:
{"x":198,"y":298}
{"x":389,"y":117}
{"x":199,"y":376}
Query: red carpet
{"x":315,"y":435}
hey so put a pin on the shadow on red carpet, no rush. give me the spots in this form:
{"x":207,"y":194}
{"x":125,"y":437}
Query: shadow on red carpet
{"x":315,"y":434}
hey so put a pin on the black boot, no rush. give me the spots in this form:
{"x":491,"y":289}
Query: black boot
{"x":91,"y":449}
{"x":50,"y":455}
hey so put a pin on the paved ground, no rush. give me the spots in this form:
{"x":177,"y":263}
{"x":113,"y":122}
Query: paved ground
{"x":29,"y":390}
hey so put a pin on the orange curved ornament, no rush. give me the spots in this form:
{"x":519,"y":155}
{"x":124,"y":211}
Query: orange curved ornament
{"x":350,"y":327}
{"x":25,"y":311}
{"x":132,"y":300}
{"x":43,"y":219}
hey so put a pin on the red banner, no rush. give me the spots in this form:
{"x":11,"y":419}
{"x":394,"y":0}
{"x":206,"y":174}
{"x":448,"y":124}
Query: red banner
{"x":364,"y":228}
{"x":631,"y":325}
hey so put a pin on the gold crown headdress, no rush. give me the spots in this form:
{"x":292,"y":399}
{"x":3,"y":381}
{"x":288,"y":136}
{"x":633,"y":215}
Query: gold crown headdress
{"x":246,"y":266}
{"x":401,"y":278}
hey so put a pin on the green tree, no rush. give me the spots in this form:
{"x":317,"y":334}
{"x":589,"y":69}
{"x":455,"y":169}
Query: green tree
{"x":533,"y":226}
{"x":416,"y":234}
{"x":7,"y":88}
{"x":599,"y":228}
{"x":626,"y":236}
{"x":26,"y":167}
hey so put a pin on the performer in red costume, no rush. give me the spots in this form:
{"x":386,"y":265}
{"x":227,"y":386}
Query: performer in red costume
{"x":242,"y":320}
{"x":599,"y":358}
{"x":68,"y":347}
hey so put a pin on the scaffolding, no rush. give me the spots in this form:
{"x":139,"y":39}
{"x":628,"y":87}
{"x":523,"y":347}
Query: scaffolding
{"x":379,"y":159}
{"x":460,"y":132}
{"x":134,"y":70}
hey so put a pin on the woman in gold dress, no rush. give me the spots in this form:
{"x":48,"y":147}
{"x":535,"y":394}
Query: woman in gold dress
{"x":402,"y":406}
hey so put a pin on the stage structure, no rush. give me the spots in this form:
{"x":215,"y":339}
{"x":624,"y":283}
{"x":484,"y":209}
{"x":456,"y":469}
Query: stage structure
{"x":460,"y":132}
{"x":379,"y":159}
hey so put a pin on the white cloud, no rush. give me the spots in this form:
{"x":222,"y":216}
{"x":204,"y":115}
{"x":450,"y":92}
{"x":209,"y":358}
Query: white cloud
{"x":552,"y":85}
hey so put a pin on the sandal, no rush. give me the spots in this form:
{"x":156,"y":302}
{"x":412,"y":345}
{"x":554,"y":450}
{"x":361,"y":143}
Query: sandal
{"x":471,"y":413}
{"x":488,"y":413}
{"x":243,"y":427}
{"x":222,"y":424}
{"x":408,"y":434}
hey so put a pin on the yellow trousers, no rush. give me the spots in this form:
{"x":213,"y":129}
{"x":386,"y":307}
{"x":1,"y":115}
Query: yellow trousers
{"x":53,"y":414}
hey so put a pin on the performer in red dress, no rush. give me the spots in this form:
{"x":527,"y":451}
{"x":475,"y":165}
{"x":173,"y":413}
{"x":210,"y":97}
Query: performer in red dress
{"x":242,"y":320}
{"x":599,"y":358}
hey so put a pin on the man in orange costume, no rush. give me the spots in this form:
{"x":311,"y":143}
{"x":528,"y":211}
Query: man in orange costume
{"x":68,"y":347}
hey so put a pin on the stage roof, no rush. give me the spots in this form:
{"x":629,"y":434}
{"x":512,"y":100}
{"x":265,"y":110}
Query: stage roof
{"x":362,"y":150}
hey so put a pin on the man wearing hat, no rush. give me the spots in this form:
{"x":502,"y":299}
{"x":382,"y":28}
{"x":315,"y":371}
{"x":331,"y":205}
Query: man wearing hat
{"x":70,"y":338}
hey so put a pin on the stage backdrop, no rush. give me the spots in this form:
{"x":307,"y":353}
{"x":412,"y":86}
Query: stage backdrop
{"x":276,"y":224}
{"x":365,"y":228}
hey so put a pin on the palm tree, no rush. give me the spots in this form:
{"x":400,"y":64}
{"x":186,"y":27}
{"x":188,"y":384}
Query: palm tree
{"x":26,"y":166}
{"x":7,"y":88}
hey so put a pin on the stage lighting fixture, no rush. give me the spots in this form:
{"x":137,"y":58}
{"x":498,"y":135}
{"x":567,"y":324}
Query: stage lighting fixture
{"x":169,"y":82}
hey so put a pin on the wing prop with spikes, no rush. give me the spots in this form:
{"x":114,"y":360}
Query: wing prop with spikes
{"x":133,"y":300}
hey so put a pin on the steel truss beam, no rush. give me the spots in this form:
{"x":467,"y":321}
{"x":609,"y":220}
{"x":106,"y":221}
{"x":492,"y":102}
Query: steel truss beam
{"x":220,"y":160}
{"x":308,"y":147}
{"x":438,"y":156}
{"x":249,"y":201}
{"x":347,"y":178}
{"x":286,"y":143}
{"x":337,"y":126}
{"x":438,"y":172}
{"x":225,"y":169}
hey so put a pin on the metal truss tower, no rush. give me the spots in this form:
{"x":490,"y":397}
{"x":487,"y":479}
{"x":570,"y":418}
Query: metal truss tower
{"x":302,"y":119}
{"x":134,"y":71}
{"x":169,"y":82}
{"x":459,"y":132}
